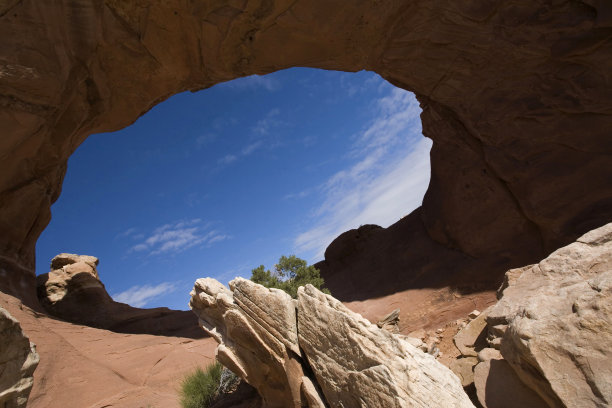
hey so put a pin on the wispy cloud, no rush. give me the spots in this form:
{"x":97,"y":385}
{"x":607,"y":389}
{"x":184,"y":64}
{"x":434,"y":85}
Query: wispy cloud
{"x":263,"y":135}
{"x":250,"y":148}
{"x":227,"y":159}
{"x":388,"y":179}
{"x":263,"y":126}
{"x":126,"y":233}
{"x":205,"y":139}
{"x":139,"y":296}
{"x":254,"y":82}
{"x":296,"y":196}
{"x":178,"y":237}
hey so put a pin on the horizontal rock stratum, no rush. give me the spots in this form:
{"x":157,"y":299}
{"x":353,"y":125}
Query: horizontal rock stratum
{"x":314,"y":351}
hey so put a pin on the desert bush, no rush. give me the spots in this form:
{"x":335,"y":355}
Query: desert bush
{"x":289,"y":274}
{"x":199,"y":388}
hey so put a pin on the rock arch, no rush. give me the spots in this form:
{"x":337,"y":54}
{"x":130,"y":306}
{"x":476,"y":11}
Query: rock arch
{"x":517,"y":98}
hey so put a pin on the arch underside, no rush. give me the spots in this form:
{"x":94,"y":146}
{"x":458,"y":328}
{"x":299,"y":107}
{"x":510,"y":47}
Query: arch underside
{"x":517,"y":99}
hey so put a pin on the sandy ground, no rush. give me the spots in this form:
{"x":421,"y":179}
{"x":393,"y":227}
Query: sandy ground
{"x":87,"y":367}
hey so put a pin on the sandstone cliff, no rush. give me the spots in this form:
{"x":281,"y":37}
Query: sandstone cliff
{"x":517,"y":98}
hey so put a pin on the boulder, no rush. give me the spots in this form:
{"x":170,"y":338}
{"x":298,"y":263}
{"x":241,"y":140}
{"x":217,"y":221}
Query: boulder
{"x":464,"y":369}
{"x":498,"y":386}
{"x":472,"y":338}
{"x":315,"y":352}
{"x":73,"y":291}
{"x":357,"y":364}
{"x":555,"y":323}
{"x":18,"y":360}
{"x":390,"y":322}
{"x":256,"y":329}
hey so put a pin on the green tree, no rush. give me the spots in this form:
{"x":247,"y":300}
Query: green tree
{"x":289,"y":274}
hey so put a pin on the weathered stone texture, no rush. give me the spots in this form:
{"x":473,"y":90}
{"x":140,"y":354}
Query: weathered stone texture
{"x":257,"y":334}
{"x":355,"y":363}
{"x":73,"y":291}
{"x":360,"y":365}
{"x":556,"y":323}
{"x":18,"y":360}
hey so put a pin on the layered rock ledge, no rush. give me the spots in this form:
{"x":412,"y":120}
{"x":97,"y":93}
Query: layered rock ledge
{"x":315,"y":352}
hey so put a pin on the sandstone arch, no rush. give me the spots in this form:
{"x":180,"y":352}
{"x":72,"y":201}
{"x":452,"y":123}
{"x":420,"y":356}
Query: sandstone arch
{"x":516,"y":96}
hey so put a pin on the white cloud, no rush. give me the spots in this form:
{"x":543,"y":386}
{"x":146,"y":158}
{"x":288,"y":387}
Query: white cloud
{"x":299,"y":195}
{"x":264,"y":125}
{"x":128,"y":232}
{"x":254,"y":82}
{"x":387,"y":181}
{"x":251,"y":148}
{"x":218,"y":238}
{"x":205,"y":139}
{"x":139,"y":296}
{"x":178,"y":237}
{"x":230,"y":158}
{"x":262,"y":131}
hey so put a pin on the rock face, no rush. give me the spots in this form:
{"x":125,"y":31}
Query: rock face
{"x":18,"y":360}
{"x":472,"y":338}
{"x":517,"y":98}
{"x":360,"y":365}
{"x":556,"y":323}
{"x":256,"y":329}
{"x":73,"y":291}
{"x":498,"y":386}
{"x":276,"y":344}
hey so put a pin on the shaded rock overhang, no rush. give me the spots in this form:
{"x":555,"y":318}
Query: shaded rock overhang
{"x":517,"y":98}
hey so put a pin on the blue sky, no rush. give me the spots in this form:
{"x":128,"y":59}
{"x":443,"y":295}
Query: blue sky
{"x":217,"y":182}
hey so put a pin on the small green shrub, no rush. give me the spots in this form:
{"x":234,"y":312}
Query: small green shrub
{"x":199,"y":389}
{"x":289,"y":274}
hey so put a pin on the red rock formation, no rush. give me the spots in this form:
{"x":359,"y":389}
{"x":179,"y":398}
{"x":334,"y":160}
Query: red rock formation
{"x":517,"y":98}
{"x":73,"y":292}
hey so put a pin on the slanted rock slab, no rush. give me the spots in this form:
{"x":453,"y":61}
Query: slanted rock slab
{"x":357,"y":364}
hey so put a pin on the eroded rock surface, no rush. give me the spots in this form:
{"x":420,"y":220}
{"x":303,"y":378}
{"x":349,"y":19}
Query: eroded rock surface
{"x":516,"y":96}
{"x":18,"y":360}
{"x":358,"y":364}
{"x":555,"y":323}
{"x":498,"y":386}
{"x":273,"y":342}
{"x":256,"y":329}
